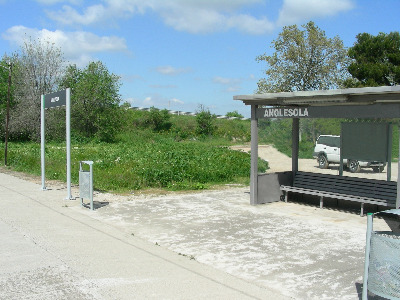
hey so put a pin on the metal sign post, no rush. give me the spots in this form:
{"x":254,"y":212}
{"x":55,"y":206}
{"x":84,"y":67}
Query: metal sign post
{"x":68,"y":140}
{"x":57,"y":99}
{"x":42,"y":143}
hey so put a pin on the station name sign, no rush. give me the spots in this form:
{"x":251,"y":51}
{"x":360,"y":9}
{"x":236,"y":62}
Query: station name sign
{"x":55,"y":99}
{"x":378,"y":110}
{"x":283,"y":112}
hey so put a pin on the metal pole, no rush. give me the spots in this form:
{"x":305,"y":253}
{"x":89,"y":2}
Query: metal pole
{"x":398,"y":178}
{"x":367,"y":251}
{"x":295,"y":145}
{"x":68,"y":140}
{"x":341,"y":155}
{"x":42,"y":140}
{"x":91,"y":186}
{"x":254,"y":157}
{"x":80,"y":175}
{"x":389,"y":153}
{"x":7,"y":113}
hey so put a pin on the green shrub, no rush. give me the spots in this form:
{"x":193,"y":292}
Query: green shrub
{"x":205,"y":122}
{"x":159,"y":120}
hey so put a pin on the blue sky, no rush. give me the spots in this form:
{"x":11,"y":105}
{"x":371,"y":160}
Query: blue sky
{"x":178,"y":54}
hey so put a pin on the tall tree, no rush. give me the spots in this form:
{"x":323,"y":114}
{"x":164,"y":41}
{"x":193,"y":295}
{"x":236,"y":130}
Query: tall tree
{"x":376,"y":60}
{"x":304,"y":60}
{"x":36,"y":71}
{"x":94,"y":101}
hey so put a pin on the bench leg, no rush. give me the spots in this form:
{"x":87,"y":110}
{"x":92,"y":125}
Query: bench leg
{"x":286,"y":195}
{"x":362,"y":210}
{"x":321,"y":202}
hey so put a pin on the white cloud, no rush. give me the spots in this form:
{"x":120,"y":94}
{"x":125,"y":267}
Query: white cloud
{"x":294,"y":11}
{"x":148,"y":101}
{"x":169,"y":70}
{"x":231,"y":84}
{"x":70,"y":16}
{"x":211,"y":16}
{"x":99,"y":13}
{"x":77,"y":46}
{"x":191,"y":16}
{"x":199,"y":17}
{"x":251,"y":25}
{"x":177,"y":101}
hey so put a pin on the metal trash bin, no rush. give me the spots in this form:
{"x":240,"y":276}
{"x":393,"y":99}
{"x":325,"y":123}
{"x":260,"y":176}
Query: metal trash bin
{"x":86,"y":182}
{"x":382,"y":257}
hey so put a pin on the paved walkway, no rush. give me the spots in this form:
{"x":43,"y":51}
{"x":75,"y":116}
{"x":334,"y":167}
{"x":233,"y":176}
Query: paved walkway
{"x":53,"y":249}
{"x":206,"y":245}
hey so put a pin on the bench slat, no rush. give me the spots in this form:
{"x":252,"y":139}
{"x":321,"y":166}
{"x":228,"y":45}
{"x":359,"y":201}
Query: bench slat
{"x":338,"y":196}
{"x":356,"y":189}
{"x":349,"y":188}
{"x":354,"y":186}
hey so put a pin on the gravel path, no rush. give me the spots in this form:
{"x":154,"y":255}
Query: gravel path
{"x":279,"y":162}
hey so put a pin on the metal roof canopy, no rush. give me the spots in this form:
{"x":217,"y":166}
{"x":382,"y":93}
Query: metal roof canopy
{"x":368,"y":102}
{"x":358,"y":96}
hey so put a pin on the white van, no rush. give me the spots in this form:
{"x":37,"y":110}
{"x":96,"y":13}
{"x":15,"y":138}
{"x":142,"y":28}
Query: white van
{"x":327,"y":151}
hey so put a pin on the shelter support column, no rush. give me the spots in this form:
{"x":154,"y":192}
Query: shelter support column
{"x":398,"y":179}
{"x":254,"y":157}
{"x":295,"y":144}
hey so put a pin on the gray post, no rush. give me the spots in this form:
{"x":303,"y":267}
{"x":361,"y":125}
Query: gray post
{"x":68,"y":140}
{"x":367,"y":251}
{"x":42,"y":143}
{"x":341,"y":155}
{"x":295,"y":145}
{"x":398,"y":179}
{"x":91,"y":186}
{"x":7,"y":113}
{"x":254,"y":157}
{"x":389,"y":153}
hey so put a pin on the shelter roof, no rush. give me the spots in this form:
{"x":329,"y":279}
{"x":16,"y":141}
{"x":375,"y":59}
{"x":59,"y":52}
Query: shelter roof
{"x":352,"y":96}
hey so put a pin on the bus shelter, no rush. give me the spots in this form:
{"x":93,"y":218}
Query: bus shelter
{"x":354,"y":103}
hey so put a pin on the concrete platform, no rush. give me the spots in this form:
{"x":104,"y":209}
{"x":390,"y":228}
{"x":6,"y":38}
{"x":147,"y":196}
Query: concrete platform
{"x":206,"y":245}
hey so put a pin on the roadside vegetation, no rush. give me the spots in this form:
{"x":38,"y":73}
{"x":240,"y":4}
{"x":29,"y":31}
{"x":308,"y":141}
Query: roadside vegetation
{"x":145,"y":154}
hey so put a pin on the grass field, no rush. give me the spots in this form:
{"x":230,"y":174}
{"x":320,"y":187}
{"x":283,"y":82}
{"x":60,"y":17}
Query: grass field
{"x":157,"y":162}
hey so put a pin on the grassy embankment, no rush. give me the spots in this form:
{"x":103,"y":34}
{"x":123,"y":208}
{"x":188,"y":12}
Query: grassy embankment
{"x":176,"y":159}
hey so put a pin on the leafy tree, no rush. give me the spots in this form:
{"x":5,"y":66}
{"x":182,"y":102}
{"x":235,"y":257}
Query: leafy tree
{"x":376,"y":60}
{"x":95,"y":101}
{"x":304,"y":60}
{"x":159,"y":120}
{"x":36,"y":70}
{"x":234,"y":114}
{"x":205,"y":121}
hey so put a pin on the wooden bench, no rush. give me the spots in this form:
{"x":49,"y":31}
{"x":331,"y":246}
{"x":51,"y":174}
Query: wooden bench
{"x":378,"y":192}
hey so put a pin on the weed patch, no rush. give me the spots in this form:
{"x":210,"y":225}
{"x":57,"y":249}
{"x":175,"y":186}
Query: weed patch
{"x":125,"y":166}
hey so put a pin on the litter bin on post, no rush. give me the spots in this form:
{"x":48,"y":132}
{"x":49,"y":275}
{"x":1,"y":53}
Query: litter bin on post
{"x":86,"y":182}
{"x":382,"y":257}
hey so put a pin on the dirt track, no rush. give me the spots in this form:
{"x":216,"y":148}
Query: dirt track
{"x":279,"y":162}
